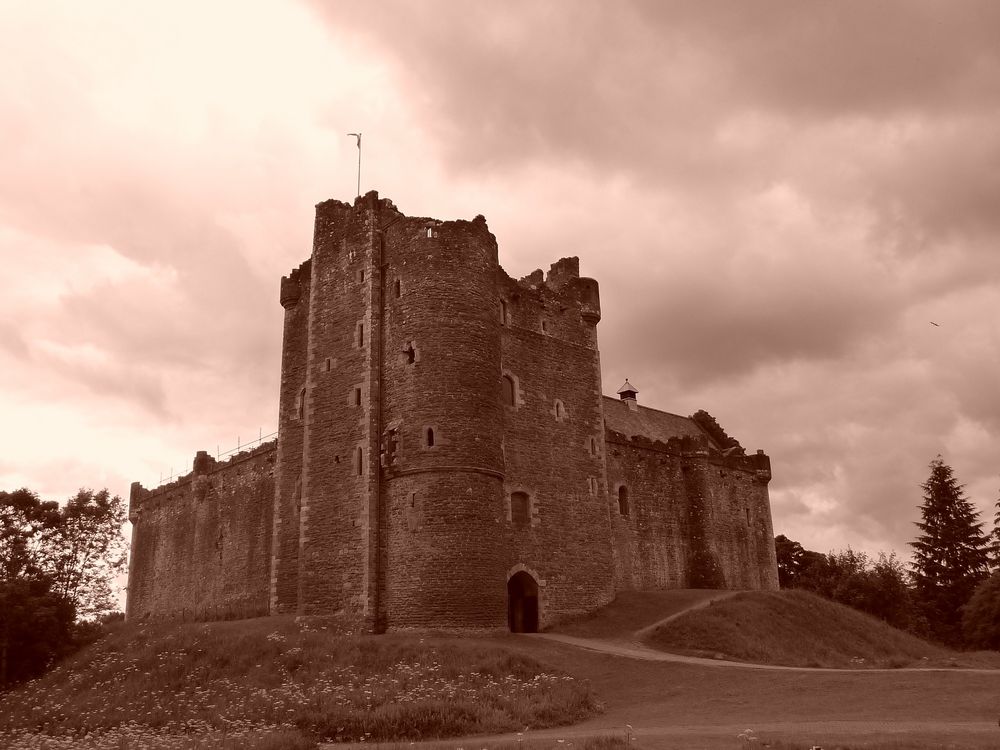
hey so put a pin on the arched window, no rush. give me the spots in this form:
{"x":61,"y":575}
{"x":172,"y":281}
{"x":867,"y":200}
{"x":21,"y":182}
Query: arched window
{"x":430,"y":437}
{"x":560,"y":411}
{"x":520,"y":509}
{"x":623,"y":500}
{"x":508,"y":391}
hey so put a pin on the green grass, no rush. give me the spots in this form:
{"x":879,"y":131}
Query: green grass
{"x":246,"y":680}
{"x":795,"y":628}
{"x":633,"y":610}
{"x":895,"y":744}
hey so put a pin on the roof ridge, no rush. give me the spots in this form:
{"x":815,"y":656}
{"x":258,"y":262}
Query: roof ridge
{"x":650,"y":408}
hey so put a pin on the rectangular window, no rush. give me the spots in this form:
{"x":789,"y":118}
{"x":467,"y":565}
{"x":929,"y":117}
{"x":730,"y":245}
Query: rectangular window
{"x":520,"y":509}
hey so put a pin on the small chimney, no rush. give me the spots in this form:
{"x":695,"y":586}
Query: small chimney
{"x":627,"y":393}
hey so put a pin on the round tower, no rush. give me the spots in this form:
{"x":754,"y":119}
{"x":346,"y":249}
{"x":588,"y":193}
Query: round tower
{"x":442,"y":558}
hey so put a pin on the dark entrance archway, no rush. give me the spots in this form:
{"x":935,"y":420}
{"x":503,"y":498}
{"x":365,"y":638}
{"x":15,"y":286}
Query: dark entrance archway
{"x":522,"y":603}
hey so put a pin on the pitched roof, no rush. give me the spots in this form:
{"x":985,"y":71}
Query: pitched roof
{"x":651,"y":423}
{"x":627,"y":387}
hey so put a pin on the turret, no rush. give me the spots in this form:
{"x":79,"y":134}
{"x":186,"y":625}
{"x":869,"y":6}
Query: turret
{"x":628,"y":393}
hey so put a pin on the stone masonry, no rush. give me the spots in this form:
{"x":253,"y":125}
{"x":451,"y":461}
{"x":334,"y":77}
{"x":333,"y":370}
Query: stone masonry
{"x":446,"y":456}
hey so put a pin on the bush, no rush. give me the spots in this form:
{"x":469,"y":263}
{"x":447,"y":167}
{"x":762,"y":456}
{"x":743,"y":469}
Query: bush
{"x":981,"y":616}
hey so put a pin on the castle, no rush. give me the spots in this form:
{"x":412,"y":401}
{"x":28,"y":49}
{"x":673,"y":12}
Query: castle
{"x":445,"y":455}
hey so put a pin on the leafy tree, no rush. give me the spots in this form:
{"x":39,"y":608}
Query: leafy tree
{"x":36,"y":628}
{"x":981,"y":616}
{"x":951,"y":554}
{"x":34,"y":622}
{"x":88,"y":551}
{"x":55,"y":564}
{"x":790,"y":556}
{"x":26,"y":525}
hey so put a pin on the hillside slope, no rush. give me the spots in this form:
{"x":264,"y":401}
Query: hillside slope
{"x":796,"y":628}
{"x":144,"y":683}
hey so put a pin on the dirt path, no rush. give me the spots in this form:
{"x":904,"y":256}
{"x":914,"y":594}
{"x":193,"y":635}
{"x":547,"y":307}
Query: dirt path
{"x":724,"y":736}
{"x":641,"y":634}
{"x":636,"y":650}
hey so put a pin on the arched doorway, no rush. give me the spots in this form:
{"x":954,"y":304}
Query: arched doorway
{"x":522,"y":603}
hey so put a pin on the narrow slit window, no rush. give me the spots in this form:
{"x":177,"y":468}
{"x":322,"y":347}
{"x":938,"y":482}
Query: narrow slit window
{"x":520,"y":509}
{"x":357,"y":395}
{"x":593,"y":446}
{"x":300,"y":404}
{"x":361,"y":334}
{"x":397,"y":289}
{"x":748,"y":515}
{"x":430,"y":437}
{"x":623,"y":501}
{"x":508,"y":391}
{"x":503,"y":312}
{"x":359,"y":461}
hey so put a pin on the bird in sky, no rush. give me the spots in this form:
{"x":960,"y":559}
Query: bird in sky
{"x":935,"y":324}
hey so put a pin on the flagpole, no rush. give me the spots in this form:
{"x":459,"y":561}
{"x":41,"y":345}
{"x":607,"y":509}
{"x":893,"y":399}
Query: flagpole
{"x":358,"y":136}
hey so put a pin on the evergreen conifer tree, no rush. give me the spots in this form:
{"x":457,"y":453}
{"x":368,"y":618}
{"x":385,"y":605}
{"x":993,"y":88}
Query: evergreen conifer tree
{"x":951,"y":554}
{"x":995,"y":539}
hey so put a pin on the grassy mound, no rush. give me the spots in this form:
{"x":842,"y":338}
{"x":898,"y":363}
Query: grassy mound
{"x":633,"y":610}
{"x":281,"y":683}
{"x":792,"y":628}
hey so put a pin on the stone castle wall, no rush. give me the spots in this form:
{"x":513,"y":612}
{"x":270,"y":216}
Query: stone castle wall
{"x":553,"y":440}
{"x":441,"y":431}
{"x":201,"y":546}
{"x":693,"y":520}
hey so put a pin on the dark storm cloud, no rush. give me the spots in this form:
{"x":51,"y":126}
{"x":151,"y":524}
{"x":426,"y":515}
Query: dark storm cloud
{"x":639,"y":86}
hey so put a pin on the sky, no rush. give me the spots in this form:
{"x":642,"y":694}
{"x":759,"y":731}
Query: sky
{"x":779,"y":199}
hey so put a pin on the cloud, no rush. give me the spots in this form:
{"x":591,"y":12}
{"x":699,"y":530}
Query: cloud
{"x":776,"y":200}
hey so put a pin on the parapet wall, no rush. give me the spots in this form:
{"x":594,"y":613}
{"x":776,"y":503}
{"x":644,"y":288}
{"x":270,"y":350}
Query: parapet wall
{"x":201,"y":544}
{"x":695,"y":518}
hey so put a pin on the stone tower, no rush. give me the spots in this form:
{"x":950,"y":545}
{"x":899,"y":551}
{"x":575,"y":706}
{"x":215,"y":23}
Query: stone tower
{"x":389,"y":477}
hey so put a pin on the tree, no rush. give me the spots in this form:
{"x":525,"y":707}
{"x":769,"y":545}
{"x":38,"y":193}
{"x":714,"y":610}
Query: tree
{"x":88,"y":551}
{"x":981,"y":616}
{"x":34,"y":622}
{"x":951,"y":554}
{"x":55,"y":564}
{"x":995,"y":539}
{"x":790,"y":555}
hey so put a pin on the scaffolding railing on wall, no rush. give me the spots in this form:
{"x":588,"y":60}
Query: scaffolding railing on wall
{"x":220,"y":454}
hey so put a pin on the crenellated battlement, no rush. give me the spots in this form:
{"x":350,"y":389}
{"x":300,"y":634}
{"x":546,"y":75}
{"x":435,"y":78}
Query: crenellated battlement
{"x":687,"y":447}
{"x":204,"y":465}
{"x":293,"y":285}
